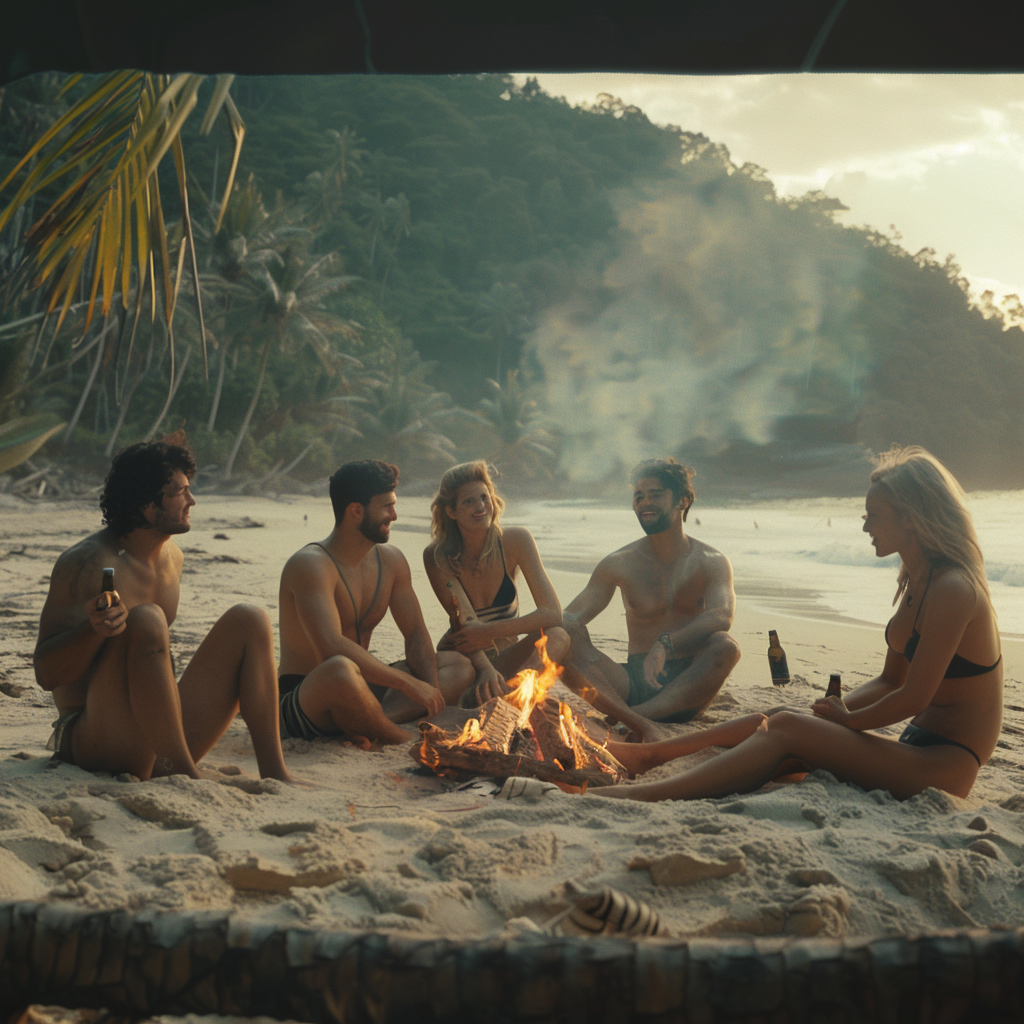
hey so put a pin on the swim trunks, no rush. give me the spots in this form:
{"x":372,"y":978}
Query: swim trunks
{"x":62,"y":730}
{"x":915,"y":736}
{"x":640,"y":691}
{"x":295,"y":723}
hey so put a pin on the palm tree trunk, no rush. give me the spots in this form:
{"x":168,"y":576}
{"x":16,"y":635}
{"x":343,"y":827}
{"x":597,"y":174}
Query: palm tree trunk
{"x":229,"y":467}
{"x":122,"y":413}
{"x":97,"y":363}
{"x":212,"y":421}
{"x":170,"y":396}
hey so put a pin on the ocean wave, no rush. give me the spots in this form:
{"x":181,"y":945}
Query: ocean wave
{"x":1008,"y":573}
{"x":848,"y":554}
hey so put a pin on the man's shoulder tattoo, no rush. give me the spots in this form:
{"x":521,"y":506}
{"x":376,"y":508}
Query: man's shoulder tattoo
{"x":74,"y":563}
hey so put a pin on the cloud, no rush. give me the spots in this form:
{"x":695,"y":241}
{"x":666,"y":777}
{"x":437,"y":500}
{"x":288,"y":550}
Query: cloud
{"x":939,"y":156}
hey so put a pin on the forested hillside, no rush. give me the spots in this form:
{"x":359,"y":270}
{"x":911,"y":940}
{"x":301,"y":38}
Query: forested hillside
{"x":435,"y":269}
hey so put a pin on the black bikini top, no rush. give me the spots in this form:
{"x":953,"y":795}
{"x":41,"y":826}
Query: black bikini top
{"x":959,"y":667}
{"x":506,"y":601}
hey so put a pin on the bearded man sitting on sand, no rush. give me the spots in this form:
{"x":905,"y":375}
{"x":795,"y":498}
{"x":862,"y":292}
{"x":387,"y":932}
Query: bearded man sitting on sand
{"x":679,"y":602}
{"x":333,"y":595}
{"x":105,"y":655}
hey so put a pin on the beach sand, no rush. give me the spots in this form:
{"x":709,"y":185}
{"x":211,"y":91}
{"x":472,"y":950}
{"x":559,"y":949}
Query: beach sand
{"x":375,"y":844}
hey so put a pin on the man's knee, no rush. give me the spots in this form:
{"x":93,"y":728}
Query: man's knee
{"x":726,"y":649}
{"x":456,"y":666}
{"x":342,"y":671}
{"x":146,"y":621}
{"x":249,"y":620}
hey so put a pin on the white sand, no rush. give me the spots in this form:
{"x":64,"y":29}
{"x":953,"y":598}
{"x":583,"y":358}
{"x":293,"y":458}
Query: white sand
{"x":376,"y":845}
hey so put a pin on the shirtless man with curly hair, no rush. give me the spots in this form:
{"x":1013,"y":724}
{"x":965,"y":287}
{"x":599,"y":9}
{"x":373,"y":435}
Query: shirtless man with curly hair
{"x":105,"y":656}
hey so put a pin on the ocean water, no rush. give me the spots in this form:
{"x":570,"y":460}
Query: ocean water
{"x":807,"y":557}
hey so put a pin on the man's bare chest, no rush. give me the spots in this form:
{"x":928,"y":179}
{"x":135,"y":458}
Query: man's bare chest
{"x":160,"y":586}
{"x":663,"y":590}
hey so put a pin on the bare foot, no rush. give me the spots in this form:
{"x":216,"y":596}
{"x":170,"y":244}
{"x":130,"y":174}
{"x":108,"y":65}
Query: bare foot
{"x":360,"y":742}
{"x":649,"y":732}
{"x":291,"y":780}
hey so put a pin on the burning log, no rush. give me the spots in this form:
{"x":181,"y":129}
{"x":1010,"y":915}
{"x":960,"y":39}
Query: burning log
{"x":498,"y":722}
{"x":523,"y":733}
{"x":544,"y":723}
{"x":439,"y":752}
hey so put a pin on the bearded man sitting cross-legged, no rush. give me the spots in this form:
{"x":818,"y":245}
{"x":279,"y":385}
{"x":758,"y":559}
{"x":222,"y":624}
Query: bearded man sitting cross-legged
{"x":334,"y":593}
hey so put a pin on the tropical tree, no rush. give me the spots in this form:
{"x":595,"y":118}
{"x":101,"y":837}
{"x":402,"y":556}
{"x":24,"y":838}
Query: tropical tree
{"x":518,"y":441}
{"x":103,"y":231}
{"x":289,"y":292}
{"x":325,"y":190}
{"x":503,"y":314}
{"x":398,"y":413}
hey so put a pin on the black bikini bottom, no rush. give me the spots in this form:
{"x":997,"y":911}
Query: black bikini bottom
{"x":915,"y":736}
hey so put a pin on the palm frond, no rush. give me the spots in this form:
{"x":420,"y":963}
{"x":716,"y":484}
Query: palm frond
{"x":107,"y":147}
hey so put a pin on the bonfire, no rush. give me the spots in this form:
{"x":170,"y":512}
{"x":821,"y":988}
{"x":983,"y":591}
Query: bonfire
{"x":525,"y":732}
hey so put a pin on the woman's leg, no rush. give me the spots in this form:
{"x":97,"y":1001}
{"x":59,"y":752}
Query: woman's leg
{"x":864,"y":759}
{"x":642,"y":757}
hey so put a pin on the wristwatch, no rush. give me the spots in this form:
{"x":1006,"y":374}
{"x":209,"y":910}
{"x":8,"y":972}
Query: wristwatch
{"x":666,"y":641}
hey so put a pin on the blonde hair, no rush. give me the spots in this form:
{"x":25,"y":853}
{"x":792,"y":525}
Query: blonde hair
{"x":920,"y":487}
{"x":445,"y":534}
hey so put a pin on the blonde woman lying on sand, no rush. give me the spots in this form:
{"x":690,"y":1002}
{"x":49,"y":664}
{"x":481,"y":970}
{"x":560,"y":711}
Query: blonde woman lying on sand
{"x":472,"y":564}
{"x":943,"y":667}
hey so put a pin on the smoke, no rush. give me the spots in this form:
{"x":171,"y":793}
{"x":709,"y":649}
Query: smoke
{"x":721,"y":312}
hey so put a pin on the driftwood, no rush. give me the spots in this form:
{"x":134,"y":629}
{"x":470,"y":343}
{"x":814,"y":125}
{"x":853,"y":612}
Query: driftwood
{"x":211,"y":962}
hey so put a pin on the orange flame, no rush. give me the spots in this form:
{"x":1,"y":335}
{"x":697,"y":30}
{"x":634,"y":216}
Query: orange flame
{"x":530,"y":687}
{"x":471,"y":735}
{"x":428,"y":755}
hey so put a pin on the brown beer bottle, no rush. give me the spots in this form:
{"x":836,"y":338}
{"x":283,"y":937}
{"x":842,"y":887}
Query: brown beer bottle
{"x":777,"y":660}
{"x":106,"y":598}
{"x":835,"y":686}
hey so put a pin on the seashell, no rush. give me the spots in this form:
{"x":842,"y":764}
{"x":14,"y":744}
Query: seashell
{"x":608,"y":912}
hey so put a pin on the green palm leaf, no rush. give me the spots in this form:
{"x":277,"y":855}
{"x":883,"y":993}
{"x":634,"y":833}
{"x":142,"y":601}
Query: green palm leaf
{"x":20,"y":439}
{"x":107,"y":148}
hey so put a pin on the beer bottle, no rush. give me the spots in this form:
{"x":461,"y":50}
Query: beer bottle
{"x":106,"y":598}
{"x":835,"y":686}
{"x":777,"y":660}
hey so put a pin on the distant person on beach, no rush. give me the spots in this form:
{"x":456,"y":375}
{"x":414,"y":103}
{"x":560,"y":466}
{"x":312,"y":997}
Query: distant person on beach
{"x":105,"y":655}
{"x":679,"y":601}
{"x":333,"y":594}
{"x":472,"y":564}
{"x":943,"y":669}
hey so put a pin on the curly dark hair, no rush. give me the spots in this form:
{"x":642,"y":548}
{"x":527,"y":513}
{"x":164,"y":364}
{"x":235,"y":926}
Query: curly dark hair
{"x":673,"y":475}
{"x":359,"y":482}
{"x":137,"y":479}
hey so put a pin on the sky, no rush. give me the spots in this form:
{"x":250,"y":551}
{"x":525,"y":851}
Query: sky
{"x":941,"y":157}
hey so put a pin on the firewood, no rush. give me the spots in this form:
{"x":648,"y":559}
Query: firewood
{"x":544,"y":723}
{"x":479,"y":761}
{"x":498,"y":721}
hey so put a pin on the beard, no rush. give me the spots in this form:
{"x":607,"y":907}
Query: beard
{"x":376,"y":533}
{"x":657,"y":525}
{"x":165,"y":523}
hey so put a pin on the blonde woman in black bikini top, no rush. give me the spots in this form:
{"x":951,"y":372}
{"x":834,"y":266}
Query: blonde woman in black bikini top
{"x":471,"y":554}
